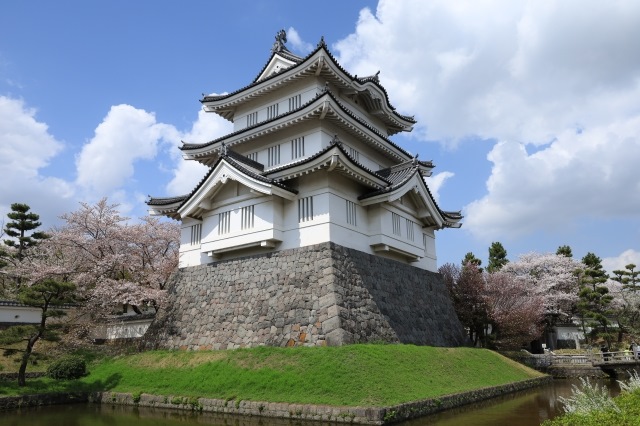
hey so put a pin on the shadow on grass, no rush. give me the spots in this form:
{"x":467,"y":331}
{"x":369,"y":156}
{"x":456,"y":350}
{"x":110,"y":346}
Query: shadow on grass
{"x":48,"y":385}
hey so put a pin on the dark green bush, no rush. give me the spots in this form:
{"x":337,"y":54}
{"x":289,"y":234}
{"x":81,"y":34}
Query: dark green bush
{"x":67,"y":368}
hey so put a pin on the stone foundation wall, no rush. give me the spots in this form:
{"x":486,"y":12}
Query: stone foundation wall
{"x":318,"y":295}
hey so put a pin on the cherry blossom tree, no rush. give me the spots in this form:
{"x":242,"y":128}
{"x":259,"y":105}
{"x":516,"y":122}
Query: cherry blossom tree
{"x":516,"y":312}
{"x":110,"y":261}
{"x":553,"y":277}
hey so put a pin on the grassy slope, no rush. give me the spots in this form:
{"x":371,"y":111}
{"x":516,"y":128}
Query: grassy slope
{"x":370,"y":375}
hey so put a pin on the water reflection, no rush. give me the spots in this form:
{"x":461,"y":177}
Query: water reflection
{"x":527,"y":408}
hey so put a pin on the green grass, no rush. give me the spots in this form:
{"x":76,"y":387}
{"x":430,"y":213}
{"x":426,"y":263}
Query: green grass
{"x":357,"y":375}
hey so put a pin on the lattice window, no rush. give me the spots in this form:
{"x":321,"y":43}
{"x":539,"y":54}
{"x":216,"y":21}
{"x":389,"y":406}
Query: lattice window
{"x":395,"y":220}
{"x":273,"y":154}
{"x":196,"y":233}
{"x":409,"y":230}
{"x":297,"y":148}
{"x":354,"y":154}
{"x":295,"y":102}
{"x":247,"y":217}
{"x":253,"y":156}
{"x":305,"y":209}
{"x":351,"y":213}
{"x":224,"y":223}
{"x":252,"y":118}
{"x":424,"y":242}
{"x":272,"y":111}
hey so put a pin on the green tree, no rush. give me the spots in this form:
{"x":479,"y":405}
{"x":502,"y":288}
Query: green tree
{"x":497,"y":257}
{"x":471,"y":258}
{"x":49,"y":296}
{"x":629,"y":277}
{"x":22,"y":222}
{"x":564,"y":251}
{"x":594,"y":298}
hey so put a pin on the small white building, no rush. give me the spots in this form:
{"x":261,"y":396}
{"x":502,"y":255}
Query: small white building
{"x":310,"y":160}
{"x":16,"y":313}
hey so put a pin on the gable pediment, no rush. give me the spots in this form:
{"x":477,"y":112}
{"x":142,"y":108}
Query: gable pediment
{"x":226,"y":182}
{"x":276,"y":65}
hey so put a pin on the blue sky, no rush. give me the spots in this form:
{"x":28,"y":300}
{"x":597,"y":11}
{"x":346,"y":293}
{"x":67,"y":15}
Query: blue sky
{"x":530,"y":110}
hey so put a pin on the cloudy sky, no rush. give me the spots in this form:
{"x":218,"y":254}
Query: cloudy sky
{"x":530,"y":110}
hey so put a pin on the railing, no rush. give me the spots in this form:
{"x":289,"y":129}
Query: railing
{"x":622,"y":357}
{"x":570,"y":359}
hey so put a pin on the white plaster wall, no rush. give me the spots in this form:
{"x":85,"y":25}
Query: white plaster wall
{"x":20,"y":314}
{"x":307,"y":90}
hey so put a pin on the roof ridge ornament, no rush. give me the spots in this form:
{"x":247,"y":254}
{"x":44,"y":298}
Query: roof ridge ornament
{"x":281,"y":39}
{"x":322,"y":42}
{"x":336,"y":140}
{"x":223,"y":149}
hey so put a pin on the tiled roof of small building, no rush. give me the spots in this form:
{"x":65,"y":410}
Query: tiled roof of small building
{"x":163,"y":201}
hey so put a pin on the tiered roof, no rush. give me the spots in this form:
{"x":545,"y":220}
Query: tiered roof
{"x":384,"y":185}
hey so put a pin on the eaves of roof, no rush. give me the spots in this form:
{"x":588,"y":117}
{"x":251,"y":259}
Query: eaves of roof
{"x":187,"y":146}
{"x":401,"y":180}
{"x":321,"y":46}
{"x":312,"y":158}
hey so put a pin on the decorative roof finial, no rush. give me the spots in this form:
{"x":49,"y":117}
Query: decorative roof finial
{"x":415,"y":159}
{"x":281,"y":39}
{"x":321,"y":42}
{"x":223,"y":149}
{"x":336,"y":141}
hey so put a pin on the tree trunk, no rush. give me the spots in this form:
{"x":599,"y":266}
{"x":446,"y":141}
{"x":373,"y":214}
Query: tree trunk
{"x":22,"y":371}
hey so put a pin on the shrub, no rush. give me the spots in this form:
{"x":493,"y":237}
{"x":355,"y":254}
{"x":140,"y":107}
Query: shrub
{"x":632,"y":384}
{"x":67,"y":368}
{"x":590,"y":397}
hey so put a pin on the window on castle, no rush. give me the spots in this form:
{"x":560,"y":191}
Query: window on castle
{"x":351,"y":213}
{"x":409,"y":230}
{"x":424,"y":242}
{"x":196,"y":232}
{"x":395,"y":220}
{"x":247,"y":217}
{"x":253,"y":156}
{"x":252,"y":118}
{"x":273,"y":154}
{"x":354,"y":154}
{"x":224,"y":223}
{"x":305,"y":209}
{"x":272,"y":111}
{"x":295,"y":102}
{"x":297,"y":148}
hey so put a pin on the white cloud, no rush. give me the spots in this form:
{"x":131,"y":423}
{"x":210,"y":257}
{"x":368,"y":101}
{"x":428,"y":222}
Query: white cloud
{"x":297,"y":43}
{"x":26,"y":147}
{"x":126,"y":135}
{"x":619,"y":262}
{"x":521,"y":71}
{"x":435,"y":182}
{"x":587,"y":174}
{"x":556,"y":83}
{"x":187,"y":174}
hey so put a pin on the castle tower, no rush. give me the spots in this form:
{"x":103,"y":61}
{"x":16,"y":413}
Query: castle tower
{"x":309,"y":220}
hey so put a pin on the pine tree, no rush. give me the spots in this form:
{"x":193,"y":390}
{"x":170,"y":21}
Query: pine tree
{"x":497,"y":257}
{"x":49,"y":296}
{"x":564,"y":251}
{"x":471,"y":258}
{"x":594,"y":298}
{"x":21,"y":223}
{"x":629,"y":278}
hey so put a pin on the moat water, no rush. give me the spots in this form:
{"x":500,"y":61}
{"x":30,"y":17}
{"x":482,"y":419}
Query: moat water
{"x":527,"y":408}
